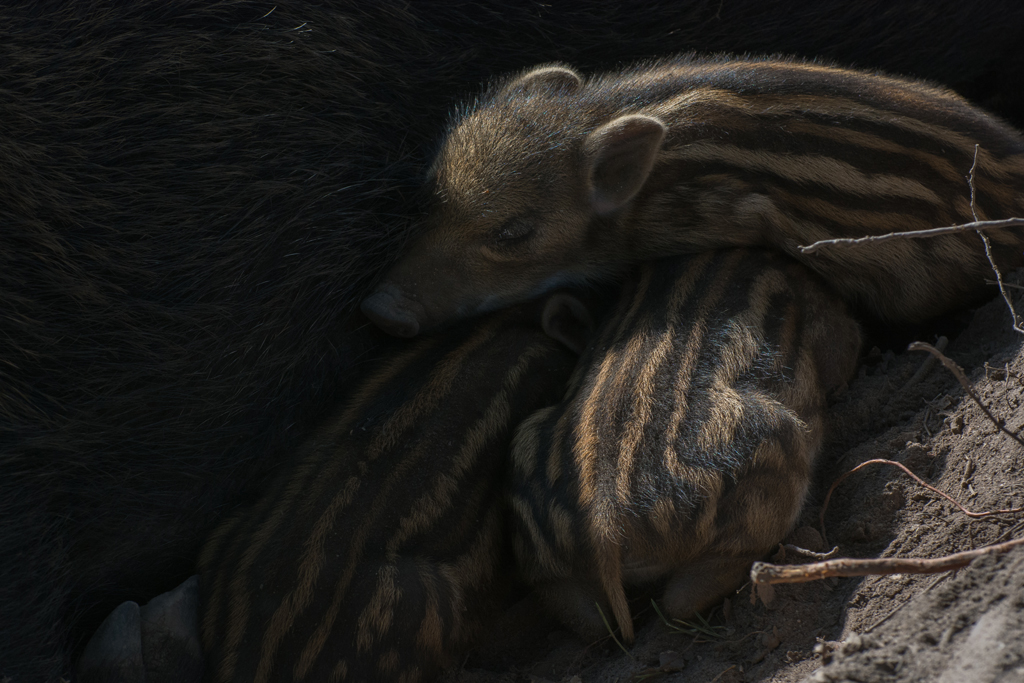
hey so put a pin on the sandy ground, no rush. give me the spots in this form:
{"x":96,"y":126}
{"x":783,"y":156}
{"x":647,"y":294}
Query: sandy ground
{"x":960,"y":627}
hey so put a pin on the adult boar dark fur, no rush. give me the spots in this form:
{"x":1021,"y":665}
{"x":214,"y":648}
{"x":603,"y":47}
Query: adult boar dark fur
{"x":194,"y":194}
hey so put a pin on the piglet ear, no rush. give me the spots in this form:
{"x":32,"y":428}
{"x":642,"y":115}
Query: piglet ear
{"x":548,"y":78}
{"x":568,"y":320}
{"x":618,"y":157}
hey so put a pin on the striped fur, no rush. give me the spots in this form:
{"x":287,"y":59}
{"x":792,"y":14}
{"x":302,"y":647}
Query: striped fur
{"x":376,"y":555}
{"x":552,"y":178}
{"x":684,"y":447}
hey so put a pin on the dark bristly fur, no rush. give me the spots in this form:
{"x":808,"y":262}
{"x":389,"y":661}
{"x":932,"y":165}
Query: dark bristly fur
{"x":684,"y":447}
{"x":553,"y":178}
{"x":375,"y":557}
{"x":193,"y":195}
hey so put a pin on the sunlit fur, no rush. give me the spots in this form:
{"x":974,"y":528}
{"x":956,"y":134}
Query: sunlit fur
{"x":378,"y":553}
{"x":684,"y":447}
{"x":756,"y":152}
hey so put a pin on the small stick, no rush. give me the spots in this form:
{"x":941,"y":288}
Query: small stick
{"x":973,"y":515}
{"x":810,"y":554}
{"x":970,"y":183}
{"x":1010,"y":532}
{"x":915,"y":234}
{"x":1005,"y":284}
{"x":926,"y":366}
{"x":719,"y":676}
{"x":962,"y":378}
{"x":977,"y":226}
{"x":988,"y":249}
{"x":765,"y":573}
{"x":936,"y":581}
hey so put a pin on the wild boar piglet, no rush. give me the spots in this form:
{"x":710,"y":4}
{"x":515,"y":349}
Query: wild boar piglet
{"x":551,"y":178}
{"x":684,"y":447}
{"x":380,"y":550}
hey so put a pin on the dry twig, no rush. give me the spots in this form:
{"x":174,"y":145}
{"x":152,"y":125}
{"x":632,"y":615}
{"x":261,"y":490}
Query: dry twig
{"x":880,"y":461}
{"x":719,"y":676}
{"x":926,"y":366}
{"x":936,"y":581}
{"x":765,"y":573}
{"x":914,"y":234}
{"x":988,"y":250}
{"x":809,"y":554}
{"x":1008,"y":285}
{"x":962,"y":378}
{"x":976,"y":225}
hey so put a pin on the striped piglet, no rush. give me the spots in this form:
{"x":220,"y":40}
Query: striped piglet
{"x":376,"y":556}
{"x":684,"y":448}
{"x":552,"y":178}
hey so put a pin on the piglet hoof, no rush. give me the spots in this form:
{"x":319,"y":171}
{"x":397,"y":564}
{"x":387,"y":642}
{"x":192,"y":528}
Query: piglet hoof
{"x":579,"y":607}
{"x":156,"y":643}
{"x":171,"y":647}
{"x":114,"y":653}
{"x":696,"y":587}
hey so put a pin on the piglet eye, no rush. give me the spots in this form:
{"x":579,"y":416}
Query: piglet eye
{"x":514,"y":231}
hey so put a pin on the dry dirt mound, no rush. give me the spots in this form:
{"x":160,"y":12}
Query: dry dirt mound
{"x":966,"y":626}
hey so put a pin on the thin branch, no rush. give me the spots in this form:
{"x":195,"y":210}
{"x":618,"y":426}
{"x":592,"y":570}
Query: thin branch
{"x":970,"y":182}
{"x":936,"y":581}
{"x":962,"y":378}
{"x":809,"y":554}
{"x":719,"y":676}
{"x":1017,"y":326}
{"x":915,"y":234}
{"x":880,"y":461}
{"x":977,"y":226}
{"x":765,"y":573}
{"x":1008,"y":285}
{"x":926,"y":366}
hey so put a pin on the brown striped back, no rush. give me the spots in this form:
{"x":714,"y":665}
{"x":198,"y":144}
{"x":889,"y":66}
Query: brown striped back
{"x":552,"y":178}
{"x":684,"y":447}
{"x":377,"y":554}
